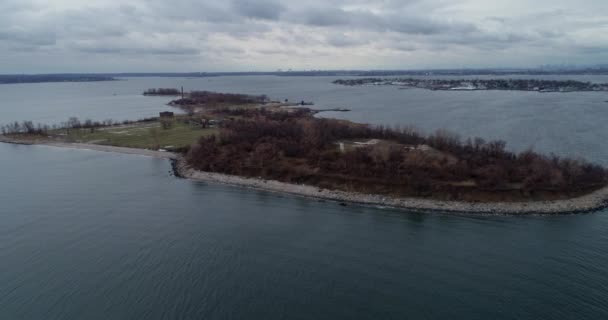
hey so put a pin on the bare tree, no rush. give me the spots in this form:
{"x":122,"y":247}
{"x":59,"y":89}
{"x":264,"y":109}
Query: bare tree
{"x":73,"y":123}
{"x":155,"y":134}
{"x":166,"y":123}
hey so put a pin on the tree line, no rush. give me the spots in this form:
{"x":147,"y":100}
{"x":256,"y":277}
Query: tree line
{"x":215,"y":98}
{"x":298,"y":148}
{"x":162,"y":92}
{"x":28,"y":127}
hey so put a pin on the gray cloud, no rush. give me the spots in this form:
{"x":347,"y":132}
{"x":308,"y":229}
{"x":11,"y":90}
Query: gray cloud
{"x":241,"y":34}
{"x":343,"y":40}
{"x":367,"y":20}
{"x":323,"y":17}
{"x":594,"y":50}
{"x":403,"y":46}
{"x":265,"y":9}
{"x":138,"y":51}
{"x":190,"y":10}
{"x":29,"y":37}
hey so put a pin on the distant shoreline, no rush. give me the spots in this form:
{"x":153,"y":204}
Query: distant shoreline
{"x":52,"y":78}
{"x":578,"y":71}
{"x":591,"y":202}
{"x":528,"y":85}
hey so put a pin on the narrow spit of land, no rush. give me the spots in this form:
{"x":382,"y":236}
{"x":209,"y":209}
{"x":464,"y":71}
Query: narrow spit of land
{"x":90,"y":146}
{"x":253,"y":142}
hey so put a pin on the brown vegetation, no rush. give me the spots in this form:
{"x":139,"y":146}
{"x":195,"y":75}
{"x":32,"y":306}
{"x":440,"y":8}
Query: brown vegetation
{"x":162,"y":92}
{"x":295,"y":147}
{"x":215,"y":98}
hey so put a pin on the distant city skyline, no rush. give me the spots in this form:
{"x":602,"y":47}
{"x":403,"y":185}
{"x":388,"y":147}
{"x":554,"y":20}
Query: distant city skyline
{"x":96,"y":36}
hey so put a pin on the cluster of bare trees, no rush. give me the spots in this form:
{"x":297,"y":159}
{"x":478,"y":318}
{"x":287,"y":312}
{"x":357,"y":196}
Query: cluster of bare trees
{"x":28,"y":127}
{"x":162,"y":92}
{"x":299,"y":148}
{"x":25,"y":127}
{"x":215,"y":98}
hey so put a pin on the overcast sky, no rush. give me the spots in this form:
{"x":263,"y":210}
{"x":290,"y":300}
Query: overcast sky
{"x":240,"y":35}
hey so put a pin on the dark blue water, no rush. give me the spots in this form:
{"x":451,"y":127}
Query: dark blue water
{"x":52,"y":103}
{"x":90,"y":235}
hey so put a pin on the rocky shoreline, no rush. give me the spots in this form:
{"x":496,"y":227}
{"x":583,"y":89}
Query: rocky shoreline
{"x":588,"y":203}
{"x":594,"y":201}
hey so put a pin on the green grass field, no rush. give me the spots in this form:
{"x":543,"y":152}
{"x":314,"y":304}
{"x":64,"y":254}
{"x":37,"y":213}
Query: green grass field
{"x":142,"y":135}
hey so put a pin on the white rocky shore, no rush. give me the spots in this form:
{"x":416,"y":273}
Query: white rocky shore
{"x":587,"y":203}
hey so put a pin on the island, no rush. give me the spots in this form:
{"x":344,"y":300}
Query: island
{"x":479,"y":84}
{"x":253,"y":141}
{"x":162,"y":92}
{"x":41,"y":78}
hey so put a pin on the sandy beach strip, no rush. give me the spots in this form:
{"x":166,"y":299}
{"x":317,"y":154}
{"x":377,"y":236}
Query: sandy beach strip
{"x":95,"y":147}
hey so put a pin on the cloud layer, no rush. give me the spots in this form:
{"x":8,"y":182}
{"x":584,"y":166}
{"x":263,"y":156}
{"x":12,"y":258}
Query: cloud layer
{"x":204,"y":35}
